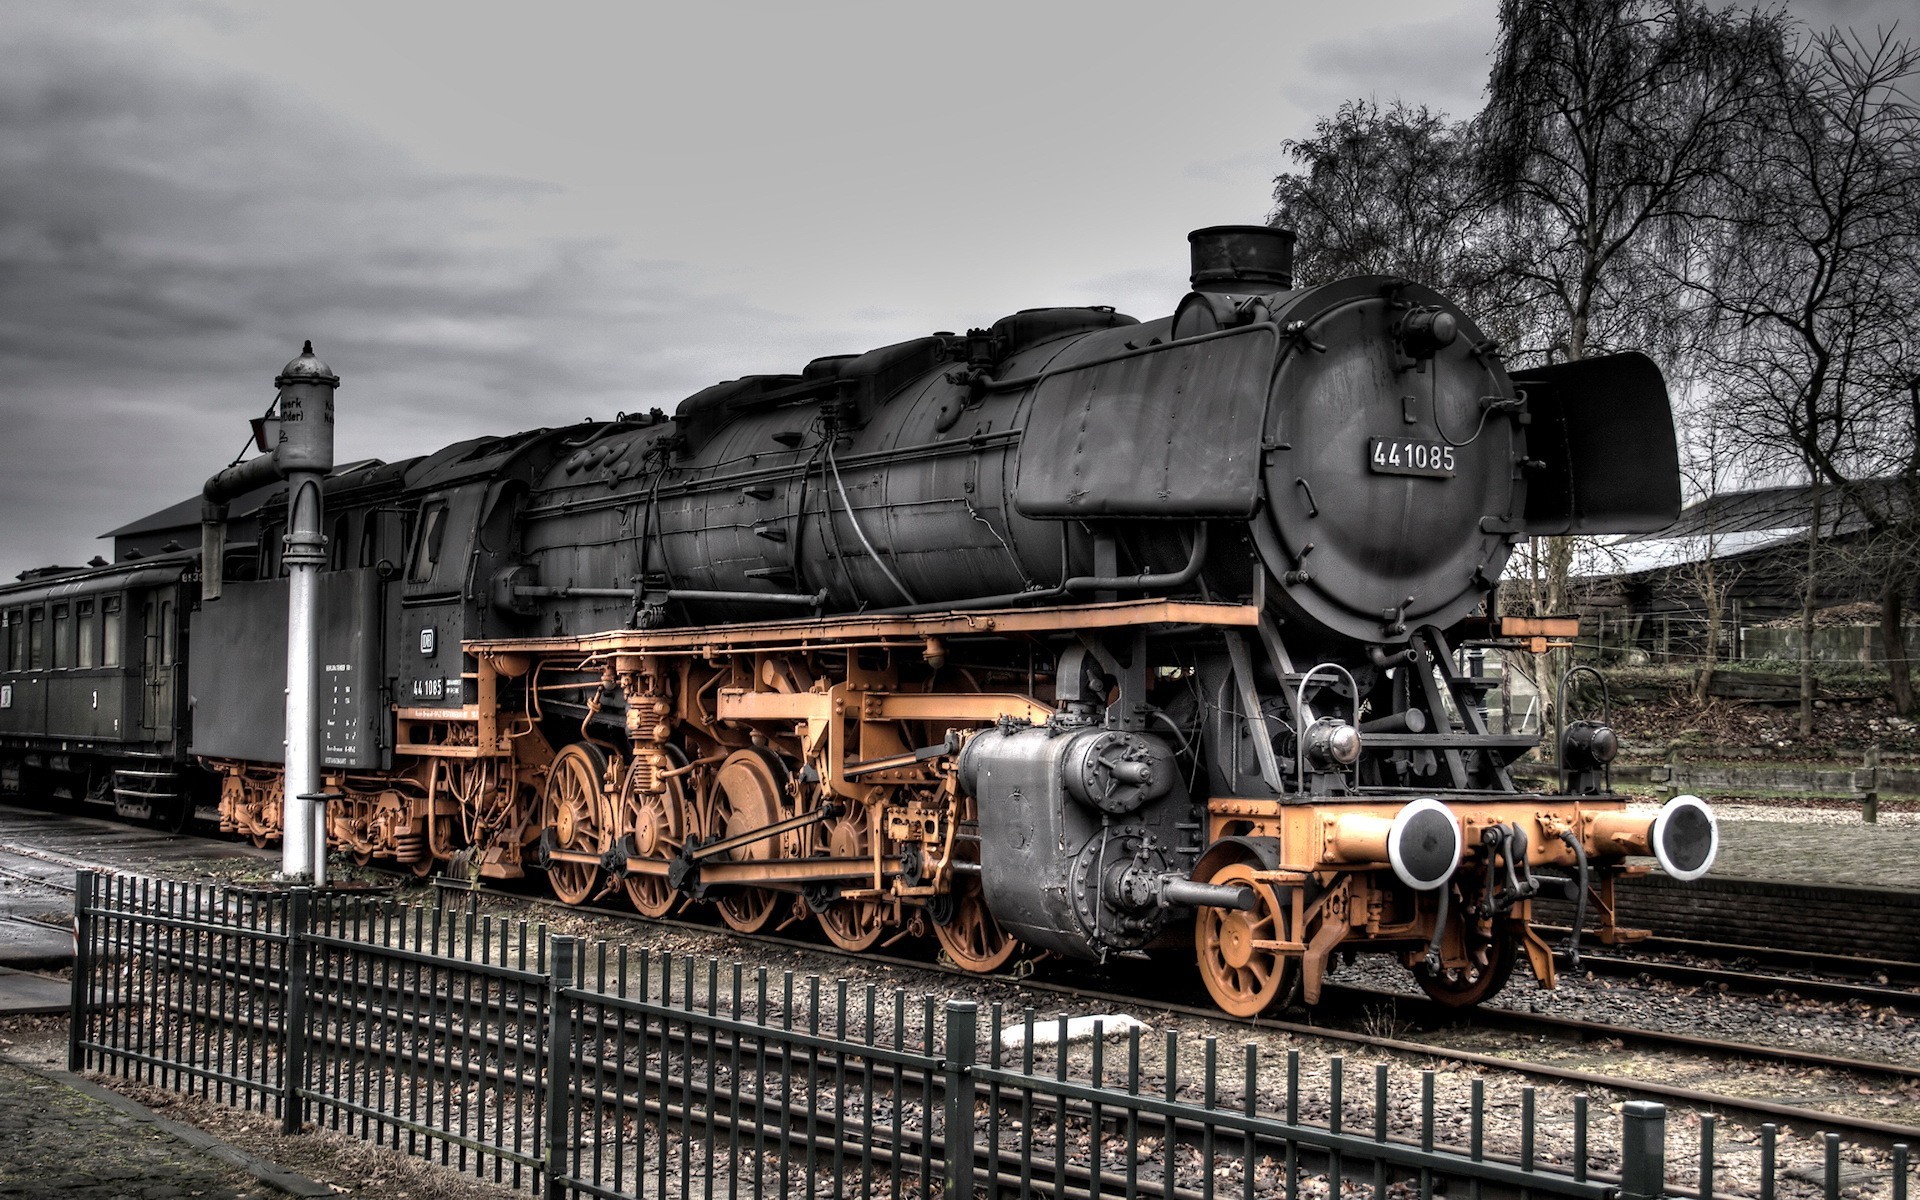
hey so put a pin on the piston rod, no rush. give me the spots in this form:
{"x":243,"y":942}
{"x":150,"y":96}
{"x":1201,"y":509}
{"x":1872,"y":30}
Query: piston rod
{"x":1194,"y":894}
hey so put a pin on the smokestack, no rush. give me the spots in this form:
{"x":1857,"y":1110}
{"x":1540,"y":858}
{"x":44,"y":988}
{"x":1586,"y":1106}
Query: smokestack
{"x":1242,"y":258}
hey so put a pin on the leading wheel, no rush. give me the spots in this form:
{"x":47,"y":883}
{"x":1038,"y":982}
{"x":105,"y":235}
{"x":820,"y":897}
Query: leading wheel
{"x":573,"y":810}
{"x":1240,"y":959}
{"x":1488,"y":963}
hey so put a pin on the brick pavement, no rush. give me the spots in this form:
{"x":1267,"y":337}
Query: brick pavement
{"x":58,"y":1141}
{"x":1875,"y":856}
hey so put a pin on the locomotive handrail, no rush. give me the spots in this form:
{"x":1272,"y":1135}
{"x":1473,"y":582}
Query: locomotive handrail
{"x":534,"y":591}
{"x":1196,"y":556}
{"x":1049,"y":371}
{"x":716,"y":482}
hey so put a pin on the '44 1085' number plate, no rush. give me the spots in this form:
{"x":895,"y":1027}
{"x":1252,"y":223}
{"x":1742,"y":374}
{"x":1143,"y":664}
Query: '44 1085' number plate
{"x":1411,"y":456}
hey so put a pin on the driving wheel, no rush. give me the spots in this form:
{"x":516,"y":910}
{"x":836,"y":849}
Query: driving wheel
{"x":745,"y":796}
{"x":970,"y":935}
{"x":852,"y":924}
{"x":572,"y":809}
{"x":653,"y":820}
{"x":1240,"y":961}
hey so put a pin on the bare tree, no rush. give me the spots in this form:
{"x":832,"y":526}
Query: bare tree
{"x":1709,"y":470}
{"x":1812,"y":285}
{"x":1607,"y":125}
{"x":1397,"y":190}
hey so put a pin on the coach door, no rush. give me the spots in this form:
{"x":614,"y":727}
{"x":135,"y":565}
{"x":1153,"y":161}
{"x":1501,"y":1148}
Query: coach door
{"x":159,"y":645}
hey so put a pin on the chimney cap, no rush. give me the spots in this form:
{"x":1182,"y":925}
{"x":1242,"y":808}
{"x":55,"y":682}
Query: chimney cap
{"x":306,"y":367}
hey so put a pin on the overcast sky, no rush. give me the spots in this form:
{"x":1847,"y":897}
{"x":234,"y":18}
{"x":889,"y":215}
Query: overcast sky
{"x":491,"y":217}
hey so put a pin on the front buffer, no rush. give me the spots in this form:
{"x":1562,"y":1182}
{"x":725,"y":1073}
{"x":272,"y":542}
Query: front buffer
{"x":1450,"y":888}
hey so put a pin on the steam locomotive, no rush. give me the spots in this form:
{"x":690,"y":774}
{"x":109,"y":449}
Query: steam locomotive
{"x":1073,"y":634}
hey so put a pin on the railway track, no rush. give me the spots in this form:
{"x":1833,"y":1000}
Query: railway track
{"x":1904,"y":1000}
{"x":1491,"y":1016}
{"x":1800,"y":964}
{"x":1755,"y":1111}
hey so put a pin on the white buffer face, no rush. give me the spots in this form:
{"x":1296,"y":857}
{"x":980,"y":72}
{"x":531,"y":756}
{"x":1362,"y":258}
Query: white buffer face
{"x":1686,"y":838}
{"x":1424,"y":844}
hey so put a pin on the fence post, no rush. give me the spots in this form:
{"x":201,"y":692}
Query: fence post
{"x":963,"y":1023}
{"x":1868,"y":782}
{"x":1673,"y":769}
{"x":293,"y":1012}
{"x":1643,"y":1150}
{"x":560,"y":1061}
{"x":83,"y":885}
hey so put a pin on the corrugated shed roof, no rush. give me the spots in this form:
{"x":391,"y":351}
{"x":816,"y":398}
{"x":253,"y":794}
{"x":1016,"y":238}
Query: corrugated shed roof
{"x":1781,"y":508}
{"x":1736,"y":523}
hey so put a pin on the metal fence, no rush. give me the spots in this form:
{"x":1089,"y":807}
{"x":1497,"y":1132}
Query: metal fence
{"x":573,"y":1068}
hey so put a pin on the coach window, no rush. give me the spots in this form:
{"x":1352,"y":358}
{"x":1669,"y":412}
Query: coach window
{"x":36,"y":638}
{"x":62,"y":638}
{"x":426,"y":550}
{"x":111,"y":631}
{"x":16,"y":659}
{"x":166,"y":633}
{"x":86,"y":628}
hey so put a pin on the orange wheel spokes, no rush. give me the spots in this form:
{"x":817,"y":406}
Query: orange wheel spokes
{"x":571,"y":811}
{"x":654,"y":823}
{"x":973,"y":939}
{"x":745,"y":796}
{"x":853,"y":924}
{"x":650,"y":895}
{"x":651,"y":827}
{"x":748,"y":910}
{"x":1243,"y":972}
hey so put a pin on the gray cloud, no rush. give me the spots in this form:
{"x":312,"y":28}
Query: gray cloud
{"x":1441,"y":63}
{"x":1865,"y":16}
{"x":170,"y":233}
{"x":188,"y":189}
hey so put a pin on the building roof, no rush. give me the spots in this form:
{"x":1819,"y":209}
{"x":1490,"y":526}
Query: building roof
{"x":186,"y":514}
{"x":1787,"y":508}
{"x":1747,"y":522}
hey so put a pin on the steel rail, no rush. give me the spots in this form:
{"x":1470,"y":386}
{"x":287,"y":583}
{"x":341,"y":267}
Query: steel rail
{"x":1752,"y":982}
{"x":1491,"y":1016}
{"x":1846,"y":965}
